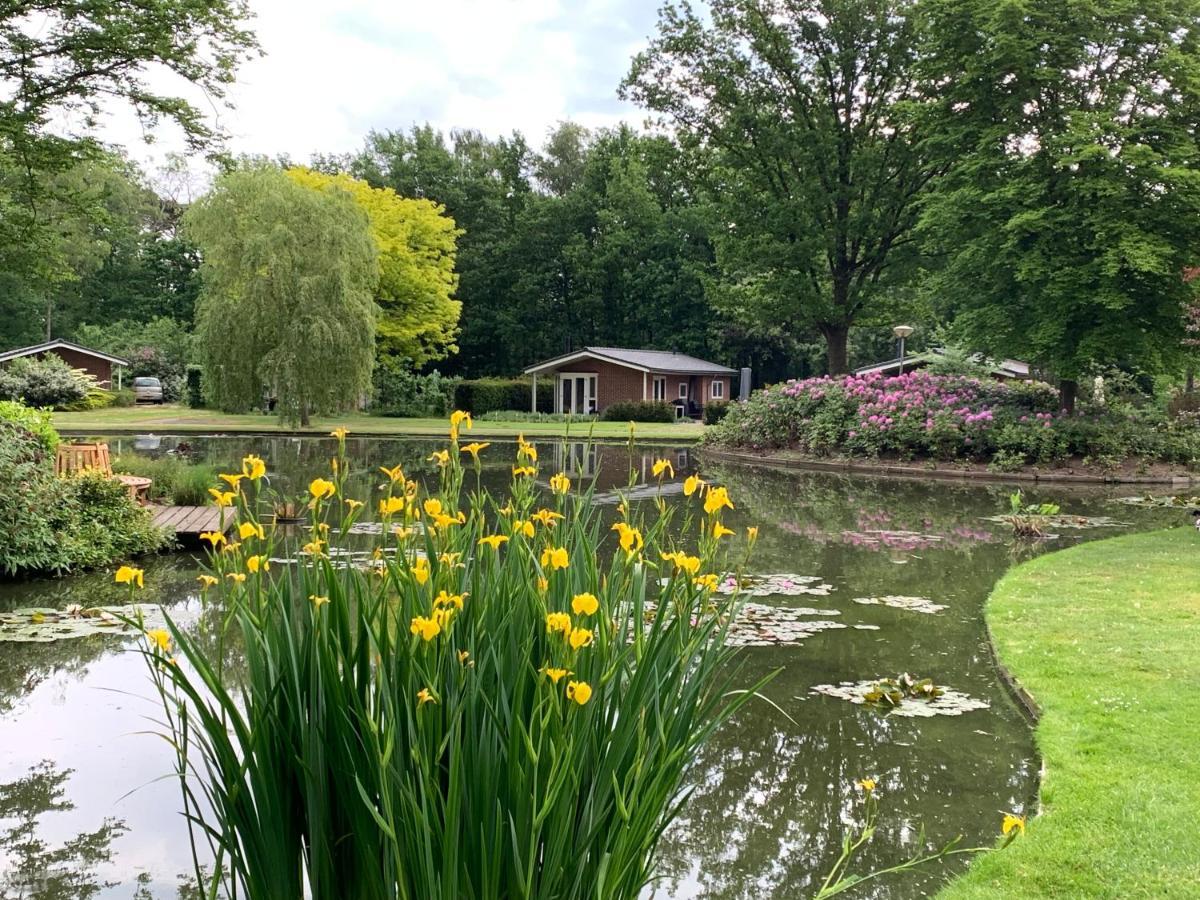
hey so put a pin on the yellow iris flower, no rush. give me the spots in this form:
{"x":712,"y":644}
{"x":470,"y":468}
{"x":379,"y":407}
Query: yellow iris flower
{"x":423,"y":697}
{"x":716,"y":499}
{"x":249,"y":530}
{"x":441,"y":457}
{"x":340,"y":433}
{"x":213,"y":537}
{"x":494,"y":540}
{"x":160,"y":638}
{"x":206,"y":581}
{"x":256,"y":563}
{"x":719,"y":530}
{"x":420,"y":570}
{"x":253,"y":467}
{"x":231,"y":480}
{"x":662,"y":465}
{"x":222,"y":498}
{"x":560,"y":483}
{"x":129,"y":575}
{"x":579,"y":637}
{"x":321,"y":489}
{"x":579,"y":691}
{"x":558,"y":621}
{"x":547,"y":517}
{"x":555,"y":675}
{"x":474,"y":449}
{"x":555,"y":558}
{"x":394,"y":474}
{"x":585,"y":604}
{"x":691,"y":484}
{"x":426,"y":627}
{"x":318,"y":602}
{"x":522,"y":527}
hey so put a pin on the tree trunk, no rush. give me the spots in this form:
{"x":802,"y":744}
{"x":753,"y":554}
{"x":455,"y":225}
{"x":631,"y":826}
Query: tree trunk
{"x":1067,"y":389}
{"x":836,"y":338}
{"x":1190,"y":385}
{"x":303,"y":415}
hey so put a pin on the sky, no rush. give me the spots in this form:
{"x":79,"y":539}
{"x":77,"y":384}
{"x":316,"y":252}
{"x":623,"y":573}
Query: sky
{"x":333,"y":71}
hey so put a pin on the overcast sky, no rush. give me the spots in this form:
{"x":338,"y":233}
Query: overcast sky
{"x":334,"y":70}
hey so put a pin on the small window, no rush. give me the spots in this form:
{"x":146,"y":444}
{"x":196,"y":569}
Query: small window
{"x":683,"y":390}
{"x":718,"y":389}
{"x":660,"y":387}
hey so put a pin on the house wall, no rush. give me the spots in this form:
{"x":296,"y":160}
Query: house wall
{"x":100,"y":369}
{"x":615,"y":383}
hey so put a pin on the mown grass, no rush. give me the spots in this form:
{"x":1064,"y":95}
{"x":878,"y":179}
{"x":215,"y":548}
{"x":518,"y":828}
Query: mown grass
{"x":178,"y":419}
{"x":1106,"y":636}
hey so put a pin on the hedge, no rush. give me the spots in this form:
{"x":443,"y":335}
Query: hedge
{"x":484,"y":395}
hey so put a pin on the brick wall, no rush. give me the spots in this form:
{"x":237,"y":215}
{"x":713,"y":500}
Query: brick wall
{"x":615,"y":383}
{"x":100,"y":369}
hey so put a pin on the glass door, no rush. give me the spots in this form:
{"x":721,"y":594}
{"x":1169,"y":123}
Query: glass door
{"x":577,"y":394}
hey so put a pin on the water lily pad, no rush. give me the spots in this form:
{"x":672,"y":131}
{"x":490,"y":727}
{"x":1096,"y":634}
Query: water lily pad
{"x":783,"y":584}
{"x":44,"y":625}
{"x":1066,"y":521}
{"x":948,"y":702}
{"x":760,"y":625}
{"x":912,"y":604}
{"x":1152,"y":502}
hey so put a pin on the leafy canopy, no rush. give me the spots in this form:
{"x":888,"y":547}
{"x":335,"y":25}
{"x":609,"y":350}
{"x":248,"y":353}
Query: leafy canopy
{"x":286,"y":303}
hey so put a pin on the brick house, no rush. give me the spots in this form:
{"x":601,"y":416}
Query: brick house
{"x":98,"y":365}
{"x":592,"y":379}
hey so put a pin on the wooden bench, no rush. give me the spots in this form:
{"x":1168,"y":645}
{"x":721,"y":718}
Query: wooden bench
{"x":74,"y":458}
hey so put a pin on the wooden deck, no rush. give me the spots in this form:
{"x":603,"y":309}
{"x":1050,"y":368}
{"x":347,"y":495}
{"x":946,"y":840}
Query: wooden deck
{"x":190,"y":521}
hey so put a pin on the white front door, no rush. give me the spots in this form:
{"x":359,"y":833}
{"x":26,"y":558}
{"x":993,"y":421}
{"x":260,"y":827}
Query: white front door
{"x":576,"y":393}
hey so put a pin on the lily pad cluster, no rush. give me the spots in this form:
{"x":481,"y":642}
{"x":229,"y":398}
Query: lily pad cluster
{"x":1068,"y":521}
{"x":761,"y":625}
{"x":904,"y":695}
{"x":783,"y":584}
{"x":912,"y":604}
{"x":43,"y":625}
{"x":1150,"y":501}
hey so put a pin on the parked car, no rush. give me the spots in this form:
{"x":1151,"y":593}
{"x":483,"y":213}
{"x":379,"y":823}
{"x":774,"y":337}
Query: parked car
{"x":147,"y":390}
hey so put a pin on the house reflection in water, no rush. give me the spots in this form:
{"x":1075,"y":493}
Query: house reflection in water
{"x":610,"y":465}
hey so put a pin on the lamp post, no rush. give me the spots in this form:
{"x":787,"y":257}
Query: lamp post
{"x":902,"y":331}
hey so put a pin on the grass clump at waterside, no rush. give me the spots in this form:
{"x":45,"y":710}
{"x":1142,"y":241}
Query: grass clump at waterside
{"x":1106,"y":636}
{"x":174,"y":481}
{"x":482,"y":705}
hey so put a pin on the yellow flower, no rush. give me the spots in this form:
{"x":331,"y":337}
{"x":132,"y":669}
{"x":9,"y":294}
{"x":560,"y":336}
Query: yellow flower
{"x":313,"y":547}
{"x":213,"y":537}
{"x":505,"y":510}
{"x":253,"y":467}
{"x":231,"y":480}
{"x":524,"y":470}
{"x":558,"y":621}
{"x":321,"y":489}
{"x":555,"y":558}
{"x":553,"y":674}
{"x":420,"y":570}
{"x":129,"y":575}
{"x":474,"y":449}
{"x":222,"y":498}
{"x":353,"y":504}
{"x":206,"y":581}
{"x":715,"y":499}
{"x":394,"y":474}
{"x":662,"y":465}
{"x":579,"y":691}
{"x":752,"y":533}
{"x":708,"y":582}
{"x":318,"y":602}
{"x":719,"y":530}
{"x":340,"y":433}
{"x":160,"y":638}
{"x":254,"y":563}
{"x":631,"y":538}
{"x":403,"y":532}
{"x":525,"y":449}
{"x":683,"y":562}
{"x":232,"y":548}
{"x":867,"y":784}
{"x":523,"y":527}
{"x":389,"y":506}
{"x":427,"y":628}
{"x":238,"y":577}
{"x":249,"y":530}
{"x":585,"y":604}
{"x":432,"y":507}
{"x":457,"y":418}
{"x":441,"y":457}
{"x":1012,"y":822}
{"x":423,"y":697}
{"x":543,"y":585}
{"x":494,"y":540}
{"x":448,"y":559}
{"x":334,"y":465}
{"x":579,"y":637}
{"x":442,"y":616}
{"x":547,"y":517}
{"x":463,"y":656}
{"x":560,"y":483}
{"x":691,"y":484}
{"x":445,"y":599}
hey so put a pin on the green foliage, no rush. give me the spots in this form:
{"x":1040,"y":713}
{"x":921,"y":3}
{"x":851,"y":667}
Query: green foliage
{"x":399,"y":391}
{"x":416,"y":241}
{"x":1063,"y":225}
{"x":35,"y":421}
{"x":483,"y":395}
{"x":715,"y":411}
{"x":822,"y":190}
{"x":517,"y":415}
{"x":358,"y":754}
{"x":45,"y":381}
{"x":54,"y":524}
{"x":175,"y":481}
{"x":194,"y":382}
{"x":286,"y":305}
{"x":639,"y":411}
{"x":160,"y":348}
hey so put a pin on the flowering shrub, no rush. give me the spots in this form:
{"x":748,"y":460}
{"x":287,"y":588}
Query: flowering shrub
{"x":921,"y":414}
{"x":501,"y":701}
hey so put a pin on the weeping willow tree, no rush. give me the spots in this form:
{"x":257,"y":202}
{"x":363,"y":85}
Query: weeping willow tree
{"x":286,"y":306}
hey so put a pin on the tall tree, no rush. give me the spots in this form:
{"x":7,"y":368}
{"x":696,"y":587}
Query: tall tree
{"x":287,"y":285}
{"x":815,"y":118}
{"x":1065,"y":225}
{"x":418,"y":317}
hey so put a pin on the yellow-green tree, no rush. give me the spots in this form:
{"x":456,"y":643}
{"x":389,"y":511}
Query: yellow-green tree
{"x":416,"y":242}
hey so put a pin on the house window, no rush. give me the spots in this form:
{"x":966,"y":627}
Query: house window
{"x":660,"y":387}
{"x":718,"y":389}
{"x":683,"y":390}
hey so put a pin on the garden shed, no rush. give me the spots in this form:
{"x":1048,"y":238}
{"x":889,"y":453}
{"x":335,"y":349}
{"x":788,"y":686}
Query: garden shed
{"x":99,"y":365}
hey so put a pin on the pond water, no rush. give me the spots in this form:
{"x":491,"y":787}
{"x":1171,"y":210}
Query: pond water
{"x":87,"y":807}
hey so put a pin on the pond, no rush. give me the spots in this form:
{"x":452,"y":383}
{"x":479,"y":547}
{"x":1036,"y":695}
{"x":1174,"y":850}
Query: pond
{"x":877,"y":578}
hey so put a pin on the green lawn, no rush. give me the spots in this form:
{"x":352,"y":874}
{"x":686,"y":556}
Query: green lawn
{"x":183,"y":419}
{"x":1106,"y":636}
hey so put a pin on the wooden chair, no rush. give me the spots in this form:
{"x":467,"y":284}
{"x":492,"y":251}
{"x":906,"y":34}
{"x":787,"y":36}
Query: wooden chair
{"x":74,"y":458}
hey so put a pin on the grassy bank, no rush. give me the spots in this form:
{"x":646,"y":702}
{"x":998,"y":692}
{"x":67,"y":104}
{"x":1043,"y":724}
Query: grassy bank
{"x":179,"y":419}
{"x":1106,"y":636}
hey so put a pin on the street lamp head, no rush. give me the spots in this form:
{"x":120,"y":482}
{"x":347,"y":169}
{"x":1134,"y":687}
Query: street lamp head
{"x":902,"y":331}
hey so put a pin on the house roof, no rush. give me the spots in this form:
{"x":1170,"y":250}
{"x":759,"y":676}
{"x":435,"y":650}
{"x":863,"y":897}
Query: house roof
{"x":60,"y":344}
{"x":1009,"y":368}
{"x":642,"y":360}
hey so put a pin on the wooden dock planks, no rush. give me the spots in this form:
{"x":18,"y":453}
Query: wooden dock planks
{"x":191,"y":521}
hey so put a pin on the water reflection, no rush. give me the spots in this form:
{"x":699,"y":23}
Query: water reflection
{"x":772,"y":791}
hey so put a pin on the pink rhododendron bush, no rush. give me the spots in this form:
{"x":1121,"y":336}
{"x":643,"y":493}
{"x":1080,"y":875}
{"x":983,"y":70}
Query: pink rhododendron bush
{"x":947,"y":417}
